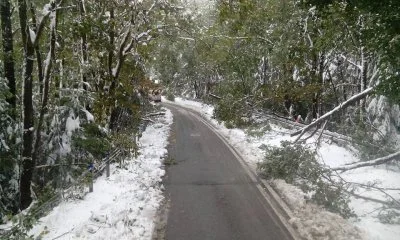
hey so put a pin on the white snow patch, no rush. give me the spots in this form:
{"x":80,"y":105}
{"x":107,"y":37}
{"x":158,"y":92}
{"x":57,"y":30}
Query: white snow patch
{"x":312,"y":221}
{"x":72,"y":124}
{"x":46,"y":9}
{"x":32,"y":35}
{"x":89,"y":116}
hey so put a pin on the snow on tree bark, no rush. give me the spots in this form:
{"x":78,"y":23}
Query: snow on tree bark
{"x":28,"y":125}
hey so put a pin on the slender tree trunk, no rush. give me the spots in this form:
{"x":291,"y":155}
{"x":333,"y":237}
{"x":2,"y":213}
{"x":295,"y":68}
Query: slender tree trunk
{"x":364,"y":76}
{"x":46,"y":83}
{"x":321,"y":83}
{"x":111,"y":38}
{"x":27,"y":162}
{"x":84,"y":51}
{"x":8,"y":59}
{"x":37,"y":52}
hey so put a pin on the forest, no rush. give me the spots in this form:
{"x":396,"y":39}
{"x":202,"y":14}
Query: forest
{"x":75,"y":75}
{"x":329,"y":61}
{"x":74,"y":84}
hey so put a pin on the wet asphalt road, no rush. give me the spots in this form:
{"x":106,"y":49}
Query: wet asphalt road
{"x":210,"y":194}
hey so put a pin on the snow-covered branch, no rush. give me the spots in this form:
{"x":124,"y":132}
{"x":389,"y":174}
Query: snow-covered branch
{"x":341,"y":106}
{"x":154,"y":114}
{"x":35,"y":36}
{"x":351,"y":62}
{"x":243,"y":37}
{"x":121,"y":50}
{"x":378,"y":161}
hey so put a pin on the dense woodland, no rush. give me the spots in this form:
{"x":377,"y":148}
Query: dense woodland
{"x":296,"y":59}
{"x":74,"y":87}
{"x":292,"y":57}
{"x":331,"y":65}
{"x":75,"y":73}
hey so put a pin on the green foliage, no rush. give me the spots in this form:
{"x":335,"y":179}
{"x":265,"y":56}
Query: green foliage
{"x":368,"y":146}
{"x":93,"y":140}
{"x":258,"y":130}
{"x":289,"y":162}
{"x":232,"y":113}
{"x":8,"y":155}
{"x":170,"y":96}
{"x":366,"y":137}
{"x":390,"y":85}
{"x":125,"y":140}
{"x":297,"y":165}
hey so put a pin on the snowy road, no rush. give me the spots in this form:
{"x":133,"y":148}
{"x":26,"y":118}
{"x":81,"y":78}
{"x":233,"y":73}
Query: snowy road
{"x":211,"y":195}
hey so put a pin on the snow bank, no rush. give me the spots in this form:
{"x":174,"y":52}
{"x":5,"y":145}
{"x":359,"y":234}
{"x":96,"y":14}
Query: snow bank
{"x":122,"y":206}
{"x":311,"y":221}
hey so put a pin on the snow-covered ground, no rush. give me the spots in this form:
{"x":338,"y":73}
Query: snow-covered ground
{"x":312,"y":221}
{"x":122,"y":206}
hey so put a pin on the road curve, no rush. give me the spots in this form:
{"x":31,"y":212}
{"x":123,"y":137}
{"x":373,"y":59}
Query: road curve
{"x":210,"y":194}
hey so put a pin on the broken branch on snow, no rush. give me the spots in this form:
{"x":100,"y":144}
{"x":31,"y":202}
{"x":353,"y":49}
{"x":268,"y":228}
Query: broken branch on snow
{"x":378,"y":161}
{"x":154,"y":114}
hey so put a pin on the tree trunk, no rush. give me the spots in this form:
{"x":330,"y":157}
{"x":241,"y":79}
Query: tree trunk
{"x":82,"y":12}
{"x":27,"y":162}
{"x":46,"y":82}
{"x":37,"y":52}
{"x":111,"y":36}
{"x":8,"y":59}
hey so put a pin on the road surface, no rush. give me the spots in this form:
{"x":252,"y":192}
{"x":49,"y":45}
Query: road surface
{"x":210,"y":194}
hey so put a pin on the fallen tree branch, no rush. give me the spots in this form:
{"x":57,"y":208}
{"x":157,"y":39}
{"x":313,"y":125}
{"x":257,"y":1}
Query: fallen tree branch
{"x":59,"y":236}
{"x":215,"y":96}
{"x":382,"y":190}
{"x":369,"y":198}
{"x":148,"y":119}
{"x":330,"y":113}
{"x":394,"y":202}
{"x":312,"y":134}
{"x":374,"y":162}
{"x":322,"y":131}
{"x":58,"y":165}
{"x":154,"y":114}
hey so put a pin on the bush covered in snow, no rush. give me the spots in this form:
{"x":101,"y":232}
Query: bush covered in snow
{"x":297,"y":164}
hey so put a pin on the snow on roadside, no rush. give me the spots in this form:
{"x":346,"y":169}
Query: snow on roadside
{"x":312,"y":221}
{"x":366,"y":210}
{"x":122,"y":206}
